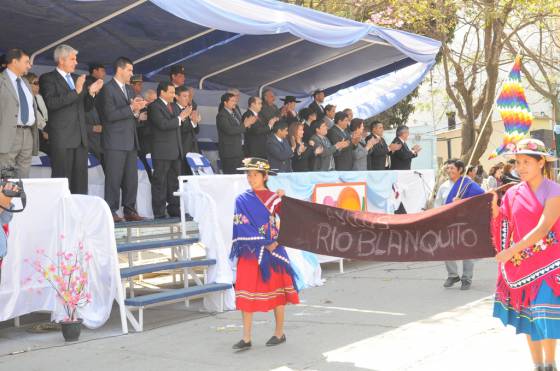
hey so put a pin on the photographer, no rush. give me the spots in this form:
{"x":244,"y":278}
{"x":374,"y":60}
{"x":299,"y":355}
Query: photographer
{"x":5,"y":218}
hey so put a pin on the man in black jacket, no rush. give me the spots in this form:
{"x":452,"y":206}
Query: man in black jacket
{"x":317,"y":105}
{"x":278,"y":149}
{"x":93,"y":121}
{"x":378,"y":159}
{"x":166,"y":120}
{"x":402,"y":158}
{"x":343,"y":159}
{"x":257,"y":135}
{"x":230,"y":134}
{"x":119,"y":111}
{"x":189,"y":126}
{"x":67,"y":102}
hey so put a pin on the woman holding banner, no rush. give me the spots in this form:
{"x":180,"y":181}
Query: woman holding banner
{"x":265,"y":279}
{"x":526,"y":230}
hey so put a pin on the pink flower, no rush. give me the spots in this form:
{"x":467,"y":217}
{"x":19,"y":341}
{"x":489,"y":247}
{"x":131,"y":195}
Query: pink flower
{"x":532,"y":146}
{"x":88,"y":256}
{"x":40,"y":251}
{"x":61,"y":236}
{"x":68,"y":256}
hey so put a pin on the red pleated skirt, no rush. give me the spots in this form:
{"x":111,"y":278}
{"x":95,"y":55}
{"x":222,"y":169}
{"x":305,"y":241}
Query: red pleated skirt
{"x":252,"y":294}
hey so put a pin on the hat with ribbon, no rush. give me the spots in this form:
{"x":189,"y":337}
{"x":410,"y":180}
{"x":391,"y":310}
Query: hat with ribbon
{"x":529,"y":146}
{"x":256,"y":163}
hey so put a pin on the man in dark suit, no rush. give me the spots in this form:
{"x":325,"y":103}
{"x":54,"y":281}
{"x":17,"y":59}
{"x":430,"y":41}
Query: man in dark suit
{"x":257,"y":135}
{"x":177,"y":75}
{"x":166,"y":120}
{"x":93,"y":121}
{"x":278,"y":149}
{"x":144,"y":131}
{"x":230,"y":134}
{"x":189,"y":126}
{"x":343,"y":159}
{"x":67,"y":102}
{"x":378,"y":159}
{"x":317,"y":104}
{"x":402,"y":158}
{"x":307,"y":116}
{"x":119,"y":111}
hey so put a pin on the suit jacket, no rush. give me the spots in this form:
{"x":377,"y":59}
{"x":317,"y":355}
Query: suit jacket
{"x":230,"y":135}
{"x":256,"y":136}
{"x":402,"y":159}
{"x":307,"y":132}
{"x":343,"y":159}
{"x":377,"y":158}
{"x":166,"y":143}
{"x":119,"y":123}
{"x":323,"y":161}
{"x":279,"y":154}
{"x":319,"y":111}
{"x":67,"y":111}
{"x":302,"y":162}
{"x":9,"y":111}
{"x":267,"y":112}
{"x":188,"y":133}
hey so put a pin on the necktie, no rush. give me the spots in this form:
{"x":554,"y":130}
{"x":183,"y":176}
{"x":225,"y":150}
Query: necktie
{"x":23,"y":105}
{"x":169,"y":108}
{"x":70,"y":82}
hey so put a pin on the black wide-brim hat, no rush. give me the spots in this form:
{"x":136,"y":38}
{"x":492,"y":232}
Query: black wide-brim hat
{"x":290,"y":99}
{"x":256,"y":163}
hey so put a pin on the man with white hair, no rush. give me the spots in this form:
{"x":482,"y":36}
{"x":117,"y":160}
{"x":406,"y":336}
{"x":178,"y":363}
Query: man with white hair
{"x":67,"y":102}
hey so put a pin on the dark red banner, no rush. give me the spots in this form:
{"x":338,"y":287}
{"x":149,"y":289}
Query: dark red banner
{"x":453,"y":232}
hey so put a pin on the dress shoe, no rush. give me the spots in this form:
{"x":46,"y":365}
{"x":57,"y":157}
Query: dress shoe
{"x":159,"y":217}
{"x":450,"y":281}
{"x":241,"y":345}
{"x":465,"y":285}
{"x":276,"y":341}
{"x":132,"y":216}
{"x":117,"y":219}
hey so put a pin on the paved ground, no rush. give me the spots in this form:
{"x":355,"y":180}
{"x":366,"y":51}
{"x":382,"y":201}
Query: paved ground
{"x":375,"y":316}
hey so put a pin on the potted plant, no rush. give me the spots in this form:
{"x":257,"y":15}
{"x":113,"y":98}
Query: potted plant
{"x":69,"y":278}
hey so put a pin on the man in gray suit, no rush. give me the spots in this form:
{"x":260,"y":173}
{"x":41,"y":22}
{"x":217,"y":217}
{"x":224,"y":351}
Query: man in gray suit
{"x":324,"y":149}
{"x":278,"y":148}
{"x":19,"y":139}
{"x":119,"y":111}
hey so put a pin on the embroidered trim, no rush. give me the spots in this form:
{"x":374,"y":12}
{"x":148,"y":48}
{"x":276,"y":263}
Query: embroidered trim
{"x":531,"y":277}
{"x":539,"y":246}
{"x":248,"y":239}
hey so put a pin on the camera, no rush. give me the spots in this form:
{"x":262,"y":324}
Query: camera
{"x":5,"y":175}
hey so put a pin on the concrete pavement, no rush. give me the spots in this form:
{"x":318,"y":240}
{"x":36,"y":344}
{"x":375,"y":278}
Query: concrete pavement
{"x":375,"y":316}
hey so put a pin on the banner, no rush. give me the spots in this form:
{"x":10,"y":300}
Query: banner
{"x":452,"y":232}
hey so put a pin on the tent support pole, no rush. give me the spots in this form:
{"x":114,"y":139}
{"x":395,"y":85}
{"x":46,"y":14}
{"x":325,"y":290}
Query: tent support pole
{"x":315,"y":65}
{"x":270,"y":51}
{"x":163,"y":50}
{"x":86,"y":28}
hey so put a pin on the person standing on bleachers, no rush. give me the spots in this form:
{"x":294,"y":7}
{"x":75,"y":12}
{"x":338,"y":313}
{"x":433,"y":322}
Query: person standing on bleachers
{"x":189,"y":126}
{"x":68,"y":102}
{"x":93,"y":121}
{"x":119,"y":110}
{"x":19,"y":138}
{"x":278,"y":149}
{"x":166,"y":120}
{"x":343,"y":158}
{"x":317,"y":105}
{"x":230,"y":134}
{"x":257,"y":135}
{"x":269,"y":107}
{"x":401,"y":159}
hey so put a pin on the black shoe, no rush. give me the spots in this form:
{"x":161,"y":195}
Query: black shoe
{"x":241,"y":345}
{"x":465,"y":285}
{"x":275,"y":341}
{"x":160,"y":216}
{"x":450,"y":281}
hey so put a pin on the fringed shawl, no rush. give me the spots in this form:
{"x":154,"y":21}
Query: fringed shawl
{"x":520,"y":278}
{"x":254,"y":228}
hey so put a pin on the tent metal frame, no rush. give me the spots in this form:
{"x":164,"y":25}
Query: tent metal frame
{"x":255,"y":57}
{"x":315,"y":65}
{"x":86,"y":28}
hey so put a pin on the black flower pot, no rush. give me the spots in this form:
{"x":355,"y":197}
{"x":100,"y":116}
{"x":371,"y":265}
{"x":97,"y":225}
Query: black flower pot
{"x":71,"y":329}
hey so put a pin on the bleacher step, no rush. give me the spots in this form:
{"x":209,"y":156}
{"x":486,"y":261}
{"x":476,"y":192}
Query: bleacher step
{"x":139,"y":246}
{"x":158,"y":267}
{"x":144,"y":300}
{"x":149,"y":223}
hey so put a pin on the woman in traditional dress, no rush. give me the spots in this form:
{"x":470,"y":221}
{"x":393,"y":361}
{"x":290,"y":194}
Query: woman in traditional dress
{"x":526,"y":230}
{"x":265,"y":280}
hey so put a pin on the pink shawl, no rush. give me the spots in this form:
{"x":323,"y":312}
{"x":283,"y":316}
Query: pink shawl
{"x":520,"y":278}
